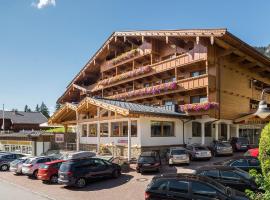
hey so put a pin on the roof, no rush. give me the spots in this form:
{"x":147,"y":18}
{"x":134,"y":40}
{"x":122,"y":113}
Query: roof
{"x":218,"y":167}
{"x":19,"y":117}
{"x":26,"y":134}
{"x":220,"y":33}
{"x":136,"y":108}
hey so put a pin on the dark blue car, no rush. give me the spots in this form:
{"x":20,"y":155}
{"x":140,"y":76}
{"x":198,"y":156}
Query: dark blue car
{"x":7,"y":158}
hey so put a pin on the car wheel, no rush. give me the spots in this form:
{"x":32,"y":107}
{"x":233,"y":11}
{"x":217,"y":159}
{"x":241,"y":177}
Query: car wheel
{"x":54,"y":179}
{"x":4,"y":167}
{"x":35,"y":174}
{"x":116,"y":174}
{"x":81,"y":183}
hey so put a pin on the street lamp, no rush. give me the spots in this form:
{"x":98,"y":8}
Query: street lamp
{"x":263,"y":110}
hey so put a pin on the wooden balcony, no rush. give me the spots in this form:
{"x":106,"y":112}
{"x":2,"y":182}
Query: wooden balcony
{"x":179,"y":61}
{"x":167,"y":88}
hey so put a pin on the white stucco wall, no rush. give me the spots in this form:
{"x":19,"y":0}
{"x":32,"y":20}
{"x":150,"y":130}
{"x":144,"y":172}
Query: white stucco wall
{"x":40,"y":149}
{"x":147,"y":140}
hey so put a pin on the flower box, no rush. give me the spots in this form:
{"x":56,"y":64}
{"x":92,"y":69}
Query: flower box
{"x":133,"y":73}
{"x":147,"y":91}
{"x":198,"y":107}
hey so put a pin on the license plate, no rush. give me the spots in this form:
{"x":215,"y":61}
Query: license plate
{"x":203,"y":153}
{"x":146,"y":164}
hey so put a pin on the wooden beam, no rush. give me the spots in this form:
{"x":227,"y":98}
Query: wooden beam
{"x":226,"y":52}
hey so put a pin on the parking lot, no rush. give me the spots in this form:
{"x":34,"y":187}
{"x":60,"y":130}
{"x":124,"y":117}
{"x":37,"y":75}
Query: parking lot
{"x":130,"y":186}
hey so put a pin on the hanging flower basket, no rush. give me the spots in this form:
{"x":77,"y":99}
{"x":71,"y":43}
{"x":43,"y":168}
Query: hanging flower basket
{"x":197,"y":107}
{"x":133,"y":73}
{"x":147,"y":91}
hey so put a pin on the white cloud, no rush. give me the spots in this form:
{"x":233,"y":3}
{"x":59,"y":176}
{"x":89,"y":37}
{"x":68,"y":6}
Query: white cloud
{"x":44,"y":3}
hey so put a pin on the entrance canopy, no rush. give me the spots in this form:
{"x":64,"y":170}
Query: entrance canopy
{"x":251,"y":119}
{"x":67,"y":114}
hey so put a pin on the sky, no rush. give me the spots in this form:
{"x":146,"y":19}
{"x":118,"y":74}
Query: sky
{"x":44,"y":43}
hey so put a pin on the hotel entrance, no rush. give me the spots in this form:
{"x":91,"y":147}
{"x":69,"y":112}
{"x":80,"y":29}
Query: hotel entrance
{"x":251,"y":132}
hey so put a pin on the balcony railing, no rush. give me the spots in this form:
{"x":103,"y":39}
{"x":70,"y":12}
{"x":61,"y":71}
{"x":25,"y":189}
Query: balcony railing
{"x":181,"y":85}
{"x":179,"y":61}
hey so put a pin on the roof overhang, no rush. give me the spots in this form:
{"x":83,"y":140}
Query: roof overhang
{"x":251,"y":117}
{"x":66,"y":113}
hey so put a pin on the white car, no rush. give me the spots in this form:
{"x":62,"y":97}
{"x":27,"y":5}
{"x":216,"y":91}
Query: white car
{"x":177,"y":155}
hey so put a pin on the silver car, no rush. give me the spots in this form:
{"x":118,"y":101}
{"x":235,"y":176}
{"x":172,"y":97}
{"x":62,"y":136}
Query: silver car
{"x":16,"y":165}
{"x":177,"y":155}
{"x":197,"y":151}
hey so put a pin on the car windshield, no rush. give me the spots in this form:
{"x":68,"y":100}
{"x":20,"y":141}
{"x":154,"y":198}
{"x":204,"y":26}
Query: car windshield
{"x":17,"y":161}
{"x":224,"y":144}
{"x":200,"y":148}
{"x":29,"y":160}
{"x":146,"y":159}
{"x":65,"y":167}
{"x":178,"y":152}
{"x":243,"y":140}
{"x":243,"y":173}
{"x":43,"y":166}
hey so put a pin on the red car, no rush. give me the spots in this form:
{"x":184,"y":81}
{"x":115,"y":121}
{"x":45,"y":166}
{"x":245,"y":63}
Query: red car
{"x":48,"y":172}
{"x":252,"y":152}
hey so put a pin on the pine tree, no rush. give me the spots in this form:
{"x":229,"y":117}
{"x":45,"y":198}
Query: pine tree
{"x":37,"y":108}
{"x":57,"y":106}
{"x":27,"y":109}
{"x":44,"y":110}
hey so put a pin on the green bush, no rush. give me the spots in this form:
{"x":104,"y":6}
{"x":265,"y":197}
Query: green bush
{"x":262,"y":179}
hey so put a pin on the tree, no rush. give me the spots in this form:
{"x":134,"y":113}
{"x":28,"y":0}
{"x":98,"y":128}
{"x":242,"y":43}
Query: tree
{"x":57,"y":106}
{"x":27,"y":109}
{"x":44,"y":110}
{"x":262,"y":179}
{"x":37,"y":108}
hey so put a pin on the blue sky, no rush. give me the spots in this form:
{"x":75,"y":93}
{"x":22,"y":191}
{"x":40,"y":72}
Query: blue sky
{"x":41,"y":50}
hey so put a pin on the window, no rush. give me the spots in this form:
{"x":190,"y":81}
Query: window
{"x":104,"y":130}
{"x":162,"y":129}
{"x":169,"y":80}
{"x":197,"y":73}
{"x":178,"y":186}
{"x":201,"y":189}
{"x":115,"y":129}
{"x":240,"y":163}
{"x":254,"y":162}
{"x":198,"y":99}
{"x":212,"y":173}
{"x":124,"y":128}
{"x":208,"y":129}
{"x":84,"y":130}
{"x":196,"y":129}
{"x":223,"y":130}
{"x":230,"y":175}
{"x":159,"y":185}
{"x":92,"y":130}
{"x":134,"y":128}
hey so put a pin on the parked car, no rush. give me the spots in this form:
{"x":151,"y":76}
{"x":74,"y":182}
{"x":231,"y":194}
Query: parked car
{"x":245,"y":163}
{"x":30,"y":167}
{"x":197,"y":151}
{"x":218,"y":148}
{"x":16,"y":165}
{"x":48,"y":172}
{"x":252,"y":152}
{"x":77,"y":172}
{"x":189,"y":187}
{"x":177,"y":155}
{"x":229,"y":176}
{"x":7,"y":158}
{"x":148,"y":161}
{"x":239,"y":143}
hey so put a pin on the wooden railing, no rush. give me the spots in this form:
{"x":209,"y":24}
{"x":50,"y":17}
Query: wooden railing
{"x":181,"y":85}
{"x":179,"y":61}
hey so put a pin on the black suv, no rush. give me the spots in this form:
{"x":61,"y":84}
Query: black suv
{"x":229,"y":176}
{"x":7,"y":158}
{"x":78,"y":171}
{"x":189,"y":187}
{"x":148,"y":161}
{"x":245,"y":163}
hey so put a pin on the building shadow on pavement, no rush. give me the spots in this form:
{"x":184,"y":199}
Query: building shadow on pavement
{"x":101,"y":184}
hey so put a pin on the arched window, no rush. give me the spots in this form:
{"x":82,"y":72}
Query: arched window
{"x":196,"y":129}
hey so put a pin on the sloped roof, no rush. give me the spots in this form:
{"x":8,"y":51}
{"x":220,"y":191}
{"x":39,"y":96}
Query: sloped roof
{"x":20,"y":117}
{"x":140,"y":108}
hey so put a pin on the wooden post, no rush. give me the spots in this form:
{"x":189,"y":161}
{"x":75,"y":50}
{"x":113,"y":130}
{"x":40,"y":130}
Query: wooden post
{"x":78,"y":135}
{"x":129,"y":139}
{"x":98,"y":130}
{"x":151,"y":56}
